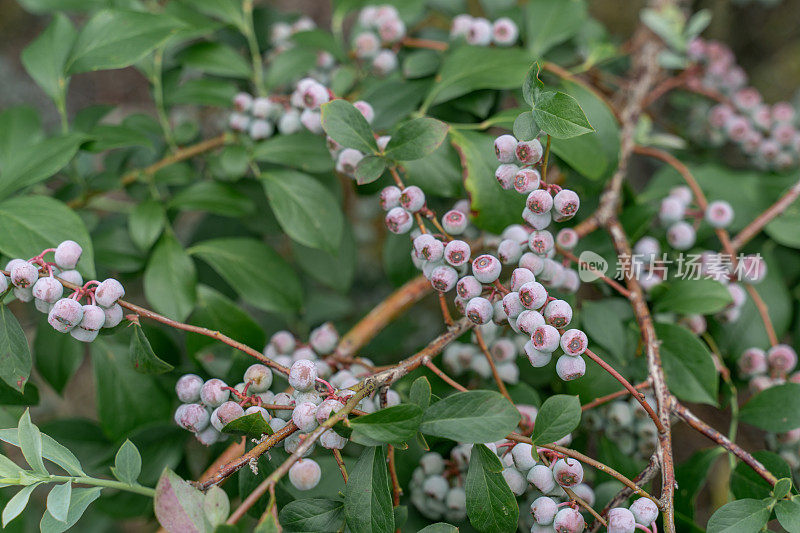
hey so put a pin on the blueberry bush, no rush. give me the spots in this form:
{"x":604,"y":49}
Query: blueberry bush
{"x":443,"y":265}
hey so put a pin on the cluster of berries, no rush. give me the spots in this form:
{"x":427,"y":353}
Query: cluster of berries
{"x":461,"y":357}
{"x":66,"y":315}
{"x":378,"y":32}
{"x":677,"y":206}
{"x":770,"y":368}
{"x":641,"y":514}
{"x":767,"y":135}
{"x":280,"y":35}
{"x":627,"y":425}
{"x":479,"y":31}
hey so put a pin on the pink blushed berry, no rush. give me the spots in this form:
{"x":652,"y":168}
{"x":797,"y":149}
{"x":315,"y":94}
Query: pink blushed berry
{"x":412,"y":199}
{"x":509,"y":251}
{"x":541,"y":242}
{"x":568,"y":472}
{"x":532,"y":262}
{"x":535,"y":357}
{"x":242,"y":102}
{"x":529,"y":320}
{"x":781,"y":358}
{"x":347,"y":161}
{"x":304,"y":416}
{"x":468,"y":287}
{"x":385,"y":62}
{"x":428,"y":247}
{"x":539,"y":201}
{"x":324,"y":338}
{"x":260,"y":410}
{"x":672,"y":210}
{"x":505,"y":175}
{"x":503,"y":350}
{"x":314,"y":94}
{"x":302,"y":375}
{"x":390,"y":197}
{"x":225,"y":414}
{"x":259,"y":377}
{"x":537,"y":221}
{"x":187,"y":388}
{"x":114,"y":316}
{"x":568,"y":520}
{"x":261,"y":129}
{"x":289,"y":122}
{"x":645,"y":511}
{"x":108,"y":292}
{"x":454,"y":222}
{"x":515,"y":480}
{"x":23,"y":274}
{"x":527,"y":180}
{"x":366,"y":45}
{"x":312,"y":121}
{"x":569,"y":367}
{"x":444,"y":278}
{"x":47,"y":289}
{"x":460,"y":26}
{"x":504,"y":147}
{"x":533,"y":295}
{"x":545,"y":338}
{"x":366,"y":110}
{"x":327,"y":408}
{"x":519,"y":277}
{"x":566,"y":203}
{"x":681,"y":235}
{"x":192,"y":417}
{"x":512,"y":305}
{"x":238,"y":121}
{"x":620,"y":520}
{"x":647,"y":249}
{"x":753,"y":361}
{"x":65,"y":314}
{"x":479,"y":310}
{"x":541,"y":477}
{"x":213,"y":393}
{"x":457,"y":253}
{"x":574,"y":342}
{"x":90,"y":324}
{"x":305,"y":474}
{"x":486,"y":268}
{"x":719,"y":214}
{"x":391,"y":30}
{"x":558,"y":313}
{"x":504,"y":31}
{"x":265,"y":108}
{"x":67,"y":255}
{"x":752,"y":269}
{"x":529,"y":152}
{"x":544,"y":510}
{"x":398,"y":220}
{"x":479,"y":32}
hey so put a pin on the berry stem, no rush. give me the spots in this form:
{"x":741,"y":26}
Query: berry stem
{"x":485,"y":349}
{"x":340,"y":461}
{"x":613,"y":396}
{"x":448,"y":320}
{"x":758,"y":223}
{"x":396,"y":491}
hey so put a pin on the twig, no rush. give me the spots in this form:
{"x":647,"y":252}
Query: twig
{"x":622,"y":496}
{"x":583,"y":264}
{"x":429,"y":44}
{"x":613,"y":396}
{"x":763,"y":311}
{"x":752,"y":229}
{"x":393,"y":476}
{"x":339,"y":461}
{"x":233,"y":451}
{"x":448,"y":320}
{"x":485,"y":349}
{"x":447,"y":379}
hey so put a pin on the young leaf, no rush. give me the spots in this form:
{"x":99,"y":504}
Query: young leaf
{"x":179,"y":506}
{"x":313,"y":514}
{"x":58,"y":501}
{"x":17,"y":503}
{"x":702,"y":296}
{"x":472,"y":416}
{"x":252,"y":425}
{"x":532,"y":85}
{"x":560,"y":115}
{"x":393,"y":424}
{"x":788,"y":513}
{"x":347,"y":126}
{"x":127,"y":463}
{"x":416,"y":138}
{"x":30,"y":442}
{"x":145,"y":223}
{"x":491,"y":506}
{"x":558,"y":416}
{"x":16,"y":362}
{"x":746,"y":483}
{"x":740,"y":515}
{"x":45,"y":58}
{"x":688,"y":366}
{"x":420,"y":392}
{"x":370,"y":169}
{"x":525,"y":127}
{"x":80,"y":499}
{"x":303,"y":150}
{"x":170,"y":279}
{"x":776,"y":409}
{"x":550,"y":23}
{"x":143,"y":357}
{"x":216,"y":505}
{"x":367,"y":498}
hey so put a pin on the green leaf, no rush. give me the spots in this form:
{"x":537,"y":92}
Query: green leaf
{"x":115,"y":39}
{"x":30,"y":442}
{"x":394,"y":424}
{"x":746,"y":483}
{"x":19,"y":128}
{"x":783,"y":229}
{"x":37,"y":162}
{"x":110,"y":136}
{"x":369,"y":169}
{"x":549,"y":23}
{"x":260,"y":276}
{"x":51,"y":450}
{"x":416,"y":138}
{"x":143,"y":357}
{"x":127,"y":463}
{"x":252,"y":425}
{"x":288,"y":66}
{"x":560,"y":115}
{"x":303,"y":150}
{"x":525,"y":127}
{"x":439,"y":527}
{"x":347,"y":126}
{"x":179,"y":506}
{"x":788,"y":513}
{"x":492,"y":208}
{"x":313,"y":514}
{"x":15,"y":355}
{"x":58,"y":501}
{"x":491,"y":505}
{"x":145,"y":223}
{"x":702,"y":296}
{"x":17,"y":503}
{"x":45,"y":58}
{"x":469,"y":68}
{"x":215,"y":311}
{"x":437,"y":174}
{"x":306,"y":210}
{"x":782,"y":488}
{"x":558,"y":416}
{"x":367,"y":498}
{"x":215,"y":58}
{"x":170,"y":279}
{"x":216,"y":505}
{"x":740,"y":516}
{"x":421,"y":63}
{"x":688,"y":366}
{"x":202,"y":91}
{"x":80,"y":499}
{"x":228,"y":11}
{"x":691,"y":476}
{"x":472,"y":416}
{"x":420,"y":392}
{"x":335,"y":270}
{"x":604,"y":325}
{"x":776,"y":409}
{"x":214,"y":197}
{"x":29,"y":224}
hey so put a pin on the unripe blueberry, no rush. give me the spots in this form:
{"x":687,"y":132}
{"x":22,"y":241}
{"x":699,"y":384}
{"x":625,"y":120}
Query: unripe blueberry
{"x":266,"y":108}
{"x":584,"y":492}
{"x":527,"y":180}
{"x":479,"y":32}
{"x":568,"y":472}
{"x":541,"y":477}
{"x":571,"y":282}
{"x":305,"y":474}
{"x":512,"y":305}
{"x":558,"y":313}
{"x":672,"y":210}
{"x":545,"y":338}
{"x":260,"y":129}
{"x":460,"y":25}
{"x":312,"y":121}
{"x":188,"y":388}
{"x":566,"y":203}
{"x":752,"y":269}
{"x":24,"y":295}
{"x":330,"y":440}
{"x":529,"y":320}
{"x":456,"y":499}
{"x":91,"y":322}
{"x":647,"y":248}
{"x":529,"y":152}
{"x":444,"y":278}
{"x":509,"y":251}
{"x":366,"y":45}
{"x":457,"y":253}
{"x":258,"y":409}
{"x":468,"y":287}
{"x":213,"y":394}
{"x":347,"y":161}
{"x":385,"y":62}
{"x":503,"y":350}
{"x":65,"y":315}
{"x":293,"y":442}
{"x":539,"y":201}
{"x":537,"y":359}
{"x":533,"y":295}
{"x":532,"y":262}
{"x":310,"y":396}
{"x":499,"y":315}
{"x":567,"y":238}
{"x":366,"y":110}
{"x":289,"y":122}
{"x":435,"y":487}
{"x":428,"y":247}
{"x":620,"y":520}
{"x":516,"y":481}
{"x":515,"y":232}
{"x":24,"y":275}
{"x":523,"y":456}
{"x":47,"y":289}
{"x":479,"y":310}
{"x":429,"y":266}
{"x":541,"y":242}
{"x":193,"y":417}
{"x":225,"y":414}
{"x":283,"y":399}
{"x":324,"y":338}
{"x":645,"y":511}
{"x":574,"y":342}
{"x":390,"y":197}
{"x":738,"y":294}
{"x":259,"y":377}
{"x":327,"y":408}
{"x":108,"y":292}
{"x":535,"y":220}
{"x":506,"y":174}
{"x":504,"y":31}
{"x":454,"y":222}
{"x":398,"y":220}
{"x":719,"y":214}
{"x":781,"y":358}
{"x":544,"y":510}
{"x":67,"y":254}
{"x":569,"y":367}
{"x":242,"y":102}
{"x":504,"y":148}
{"x":391,"y":30}
{"x":303,"y":375}
{"x":486,"y":268}
{"x":519,"y":277}
{"x":314,"y":95}
{"x":681,"y":235}
{"x":304,"y":416}
{"x":752,"y":362}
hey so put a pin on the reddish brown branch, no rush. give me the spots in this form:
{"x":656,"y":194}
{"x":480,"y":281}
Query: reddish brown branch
{"x":763,"y":312}
{"x":753,"y":228}
{"x":613,"y":396}
{"x":447,"y":379}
